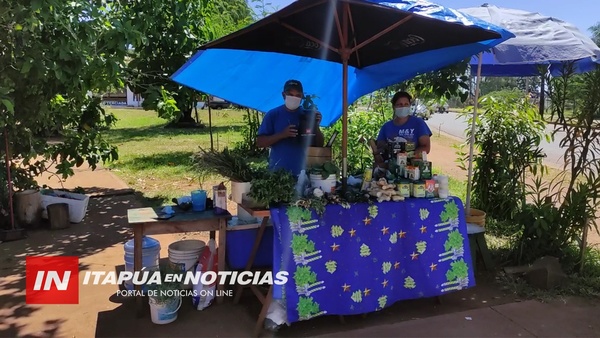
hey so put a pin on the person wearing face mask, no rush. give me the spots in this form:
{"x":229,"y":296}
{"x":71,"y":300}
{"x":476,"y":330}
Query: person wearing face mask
{"x":404,"y":127}
{"x":279,"y":131}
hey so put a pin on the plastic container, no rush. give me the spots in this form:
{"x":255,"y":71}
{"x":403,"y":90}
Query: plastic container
{"x":239,"y":246}
{"x":150,"y":256}
{"x":164,"y":313}
{"x":238,"y":189}
{"x":183,"y":256}
{"x":327,"y":185}
{"x":78,"y":203}
{"x":418,"y":189}
{"x":199,"y":200}
{"x":404,"y":188}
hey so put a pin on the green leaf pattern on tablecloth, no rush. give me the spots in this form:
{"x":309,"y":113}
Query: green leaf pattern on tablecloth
{"x":305,"y":252}
{"x":307,"y":281}
{"x":365,"y":251}
{"x":331,"y":266}
{"x":373,"y":211}
{"x":336,"y":231}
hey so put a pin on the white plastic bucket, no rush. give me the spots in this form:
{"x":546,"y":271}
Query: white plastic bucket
{"x":327,"y":185}
{"x":184,"y":255}
{"x":150,"y":256}
{"x":164,"y":313}
{"x":238,"y":189}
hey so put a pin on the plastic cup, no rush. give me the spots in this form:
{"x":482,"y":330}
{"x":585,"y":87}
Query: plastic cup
{"x":199,"y":200}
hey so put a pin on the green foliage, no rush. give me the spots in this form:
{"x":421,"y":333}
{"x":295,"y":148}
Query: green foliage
{"x":325,"y":170}
{"x":55,"y":54}
{"x":507,"y":139}
{"x":362,"y":126}
{"x":225,"y":163}
{"x":445,"y":83}
{"x":273,"y":187}
{"x":247,"y":147}
{"x":558,"y":210}
{"x":171,"y":32}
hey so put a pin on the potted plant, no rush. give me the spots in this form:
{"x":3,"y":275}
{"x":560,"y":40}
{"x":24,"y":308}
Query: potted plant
{"x":227,"y":164}
{"x":164,"y":298}
{"x":324,"y":176}
{"x":272,"y":188}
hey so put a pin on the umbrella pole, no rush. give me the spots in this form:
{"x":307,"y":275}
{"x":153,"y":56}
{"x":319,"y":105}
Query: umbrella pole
{"x":212,"y":148}
{"x":472,"y":141}
{"x":345,"y":54}
{"x":345,"y":125}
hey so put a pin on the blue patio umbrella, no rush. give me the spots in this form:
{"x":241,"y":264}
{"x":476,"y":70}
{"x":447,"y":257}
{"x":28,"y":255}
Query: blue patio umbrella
{"x":539,"y":41}
{"x":541,"y":44}
{"x":339,"y":49}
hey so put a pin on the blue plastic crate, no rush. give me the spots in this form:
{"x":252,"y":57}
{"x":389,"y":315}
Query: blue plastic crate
{"x":239,"y":246}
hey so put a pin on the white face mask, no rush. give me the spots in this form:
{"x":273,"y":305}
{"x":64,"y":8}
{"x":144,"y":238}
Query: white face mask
{"x":402,"y":111}
{"x":292,"y":102}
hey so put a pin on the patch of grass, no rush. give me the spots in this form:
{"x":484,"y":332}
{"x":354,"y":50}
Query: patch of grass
{"x":585,"y":284}
{"x":157,"y":161}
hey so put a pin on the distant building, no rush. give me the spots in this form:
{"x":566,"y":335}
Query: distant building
{"x":124,"y":98}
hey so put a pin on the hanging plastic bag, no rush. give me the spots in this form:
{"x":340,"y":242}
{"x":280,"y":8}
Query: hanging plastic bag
{"x":208,"y":261}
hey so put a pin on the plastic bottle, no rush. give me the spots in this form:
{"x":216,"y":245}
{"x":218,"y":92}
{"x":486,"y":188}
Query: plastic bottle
{"x":301,"y":184}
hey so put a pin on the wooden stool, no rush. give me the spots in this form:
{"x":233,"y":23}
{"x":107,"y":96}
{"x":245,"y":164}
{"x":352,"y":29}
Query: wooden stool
{"x":58,"y":215}
{"x":479,"y":246}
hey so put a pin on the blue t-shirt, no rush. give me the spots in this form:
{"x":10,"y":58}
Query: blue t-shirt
{"x":289,"y":153}
{"x":410,"y":131}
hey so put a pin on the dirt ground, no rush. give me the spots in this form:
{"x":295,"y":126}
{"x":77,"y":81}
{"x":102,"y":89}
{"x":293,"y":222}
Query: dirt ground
{"x":98,"y":242}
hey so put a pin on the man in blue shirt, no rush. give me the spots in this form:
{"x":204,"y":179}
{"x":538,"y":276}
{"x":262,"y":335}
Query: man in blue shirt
{"x":279,"y":130}
{"x":404,"y":128}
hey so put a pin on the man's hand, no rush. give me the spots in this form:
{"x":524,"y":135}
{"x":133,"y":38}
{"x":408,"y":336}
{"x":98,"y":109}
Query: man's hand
{"x":289,"y":131}
{"x":318,"y":118}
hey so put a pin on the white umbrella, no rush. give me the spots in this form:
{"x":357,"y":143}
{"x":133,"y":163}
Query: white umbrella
{"x":539,"y":41}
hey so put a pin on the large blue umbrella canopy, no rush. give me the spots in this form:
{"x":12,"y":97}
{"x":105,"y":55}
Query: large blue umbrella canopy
{"x":302,"y":41}
{"x":539,"y":41}
{"x":347,"y":47}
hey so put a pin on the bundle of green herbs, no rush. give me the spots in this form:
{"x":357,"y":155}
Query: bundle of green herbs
{"x":225,"y":163}
{"x":276,"y":187}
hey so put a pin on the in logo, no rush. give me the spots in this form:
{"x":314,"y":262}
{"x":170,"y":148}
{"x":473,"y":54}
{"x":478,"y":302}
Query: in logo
{"x":52,"y":280}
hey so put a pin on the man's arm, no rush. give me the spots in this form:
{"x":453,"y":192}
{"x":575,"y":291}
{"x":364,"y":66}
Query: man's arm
{"x":424,"y":145}
{"x":319,"y":139}
{"x":265,"y":141}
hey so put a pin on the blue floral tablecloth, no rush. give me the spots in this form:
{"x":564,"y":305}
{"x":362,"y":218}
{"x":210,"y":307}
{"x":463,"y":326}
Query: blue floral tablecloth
{"x":368,"y":256}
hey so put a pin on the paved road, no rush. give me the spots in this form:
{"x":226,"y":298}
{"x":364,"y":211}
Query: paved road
{"x":454,"y":125}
